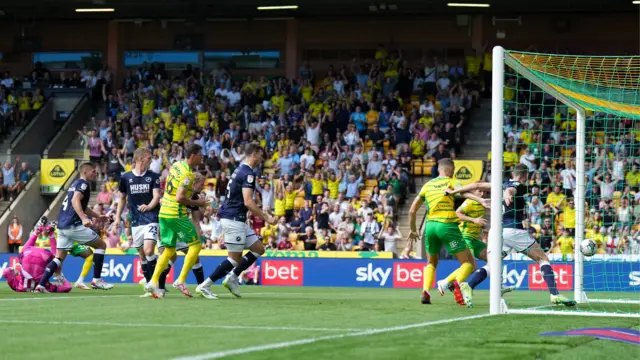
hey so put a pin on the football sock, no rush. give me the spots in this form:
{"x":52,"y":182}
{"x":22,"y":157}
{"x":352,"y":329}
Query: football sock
{"x":221,"y":271}
{"x":452,"y":276}
{"x":163,"y":261}
{"x":245,"y":263}
{"x":429,"y":275}
{"x":98,"y":261}
{"x":163,"y":276}
{"x":189,"y":260}
{"x":49,"y":271}
{"x":198,"y":271}
{"x":477,"y":277}
{"x":549,"y":277}
{"x":151,"y":266}
{"x":86,"y":267}
{"x":463,"y":272}
{"x":145,"y":270}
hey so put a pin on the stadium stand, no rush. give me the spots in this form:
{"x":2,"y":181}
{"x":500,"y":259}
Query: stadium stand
{"x":340,"y":146}
{"x":540,"y":133}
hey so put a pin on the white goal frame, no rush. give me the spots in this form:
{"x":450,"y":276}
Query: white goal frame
{"x":497,"y":304}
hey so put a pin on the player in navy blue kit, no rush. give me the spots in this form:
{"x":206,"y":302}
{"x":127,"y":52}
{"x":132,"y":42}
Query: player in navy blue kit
{"x":514,"y":235}
{"x":140,"y":188}
{"x":73,"y":227}
{"x":239,"y":236}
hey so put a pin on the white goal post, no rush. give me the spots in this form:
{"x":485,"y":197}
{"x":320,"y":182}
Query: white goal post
{"x":497,"y":303}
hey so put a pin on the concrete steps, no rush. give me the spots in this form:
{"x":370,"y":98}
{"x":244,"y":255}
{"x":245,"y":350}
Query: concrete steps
{"x":5,"y":145}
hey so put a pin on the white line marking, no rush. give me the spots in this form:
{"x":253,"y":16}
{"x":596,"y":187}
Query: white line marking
{"x":219,"y":354}
{"x":66,"y":297}
{"x":206,"y":326}
{"x":538,"y":307}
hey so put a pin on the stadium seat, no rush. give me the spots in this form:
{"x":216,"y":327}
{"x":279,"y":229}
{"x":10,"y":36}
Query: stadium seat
{"x":365,"y":193}
{"x":416,"y":167}
{"x":371,"y":183}
{"x":268,"y":163}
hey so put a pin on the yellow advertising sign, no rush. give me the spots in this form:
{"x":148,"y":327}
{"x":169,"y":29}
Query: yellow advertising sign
{"x":54,"y":173}
{"x":468,"y":171}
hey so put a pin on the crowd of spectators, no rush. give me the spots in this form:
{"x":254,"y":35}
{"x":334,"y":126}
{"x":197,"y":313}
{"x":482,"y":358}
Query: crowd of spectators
{"x":338,"y":143}
{"x":541,"y":133}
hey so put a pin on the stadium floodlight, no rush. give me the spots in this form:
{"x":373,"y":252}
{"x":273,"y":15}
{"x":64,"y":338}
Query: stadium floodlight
{"x":586,"y":103}
{"x":95,"y":10}
{"x":468,"y":5}
{"x":636,"y":2}
{"x":281,"y":7}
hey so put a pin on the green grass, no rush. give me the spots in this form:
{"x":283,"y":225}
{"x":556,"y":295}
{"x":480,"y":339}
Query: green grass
{"x":119,"y":325}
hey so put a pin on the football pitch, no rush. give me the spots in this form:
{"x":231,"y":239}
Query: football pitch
{"x":289,"y":323}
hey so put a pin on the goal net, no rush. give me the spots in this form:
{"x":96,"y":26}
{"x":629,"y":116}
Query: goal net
{"x":574,"y":121}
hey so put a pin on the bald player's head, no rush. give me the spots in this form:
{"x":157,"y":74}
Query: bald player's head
{"x":520,"y":172}
{"x":446,"y":167}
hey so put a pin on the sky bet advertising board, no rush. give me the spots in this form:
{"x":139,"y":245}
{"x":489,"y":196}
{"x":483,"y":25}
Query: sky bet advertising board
{"x":376,"y":273}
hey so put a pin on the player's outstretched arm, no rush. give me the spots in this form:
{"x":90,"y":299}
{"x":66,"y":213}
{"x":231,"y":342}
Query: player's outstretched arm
{"x":484,"y":202}
{"x":480,"y":185}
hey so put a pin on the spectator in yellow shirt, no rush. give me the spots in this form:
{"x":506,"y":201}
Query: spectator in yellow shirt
{"x":566,"y":244}
{"x":633,"y":177}
{"x":510,"y":157}
{"x":596,"y":236}
{"x":556,"y":199}
{"x":179,"y":131}
{"x":570,"y":217}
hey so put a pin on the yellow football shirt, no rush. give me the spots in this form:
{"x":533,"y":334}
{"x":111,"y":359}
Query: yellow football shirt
{"x":279,"y":207}
{"x":566,"y":244}
{"x":316,"y":187}
{"x":569,"y":218}
{"x":439,"y":204}
{"x":290,"y":198}
{"x":554,"y":199}
{"x":147,"y":106}
{"x":472,"y":209}
{"x":179,"y":176}
{"x":333,"y":188}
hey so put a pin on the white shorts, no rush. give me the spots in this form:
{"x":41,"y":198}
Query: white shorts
{"x":78,"y":234}
{"x":238,"y":236}
{"x":144,"y":233}
{"x":516,"y":239}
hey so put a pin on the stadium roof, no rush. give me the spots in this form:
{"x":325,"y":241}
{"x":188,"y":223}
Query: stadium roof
{"x":193,"y":10}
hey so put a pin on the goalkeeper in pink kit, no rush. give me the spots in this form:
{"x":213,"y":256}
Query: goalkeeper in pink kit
{"x":33,"y":262}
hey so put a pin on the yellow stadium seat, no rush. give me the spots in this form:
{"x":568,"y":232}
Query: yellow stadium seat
{"x":371,"y":183}
{"x":386,"y":144}
{"x":293,"y":237}
{"x":536,"y":226}
{"x":416,"y":167}
{"x":211,"y":181}
{"x":365,"y":193}
{"x":426,"y":169}
{"x":566,"y":153}
{"x":269,"y":171}
{"x":268,"y":163}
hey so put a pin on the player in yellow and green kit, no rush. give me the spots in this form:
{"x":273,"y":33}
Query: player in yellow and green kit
{"x":472,"y":222}
{"x":441,"y":227}
{"x":174,"y":222}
